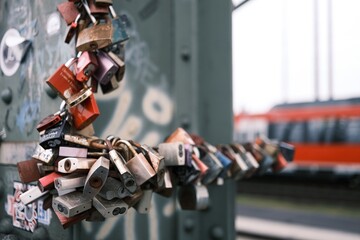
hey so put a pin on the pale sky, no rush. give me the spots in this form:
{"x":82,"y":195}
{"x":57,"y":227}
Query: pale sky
{"x":274,"y":52}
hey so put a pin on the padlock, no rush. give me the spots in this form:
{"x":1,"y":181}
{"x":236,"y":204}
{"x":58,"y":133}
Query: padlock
{"x":79,"y":140}
{"x":193,"y":197}
{"x":251,"y":162}
{"x":96,"y":177}
{"x":68,"y":11}
{"x":86,"y":66}
{"x":71,"y":204}
{"x":226,"y":162}
{"x":28,"y":171}
{"x":67,"y":222}
{"x":173,"y":152}
{"x":46,"y":156}
{"x":114,"y":188}
{"x":47,"y":182}
{"x":120,"y":62}
{"x":72,"y":152}
{"x":106,"y":69}
{"x":79,"y":97}
{"x":63,"y":81}
{"x":119,"y":34}
{"x":31,"y":195}
{"x":287,"y":150}
{"x":167,"y":188}
{"x":48,"y":122}
{"x":125,"y":175}
{"x":138,"y":165}
{"x":157,"y":162}
{"x":70,"y":181}
{"x":96,"y":36}
{"x":109,"y":208}
{"x":180,"y":135}
{"x":54,"y":136}
{"x":202,"y":167}
{"x":85,"y":113}
{"x":144,"y":205}
{"x":266,"y":160}
{"x":213,"y":163}
{"x":238,"y":168}
{"x":69,"y":165}
{"x":110,"y":86}
{"x":98,"y":8}
{"x":72,"y":29}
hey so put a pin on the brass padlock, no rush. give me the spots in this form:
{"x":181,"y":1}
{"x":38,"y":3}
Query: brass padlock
{"x":94,"y":37}
{"x":138,"y":165}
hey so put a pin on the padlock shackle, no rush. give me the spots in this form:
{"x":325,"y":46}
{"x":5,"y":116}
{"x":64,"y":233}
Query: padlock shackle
{"x":112,"y":11}
{"x":87,"y":9}
{"x":70,"y":62}
{"x":128,"y":144}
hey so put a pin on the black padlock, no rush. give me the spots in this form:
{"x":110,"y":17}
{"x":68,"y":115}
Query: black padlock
{"x":53,"y":137}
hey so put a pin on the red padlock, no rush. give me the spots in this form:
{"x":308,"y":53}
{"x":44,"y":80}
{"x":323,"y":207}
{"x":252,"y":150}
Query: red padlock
{"x":86,"y":65}
{"x":85,"y":113}
{"x":63,"y":81}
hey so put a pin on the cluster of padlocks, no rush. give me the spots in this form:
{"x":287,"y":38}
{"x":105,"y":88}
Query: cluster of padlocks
{"x":83,"y":177}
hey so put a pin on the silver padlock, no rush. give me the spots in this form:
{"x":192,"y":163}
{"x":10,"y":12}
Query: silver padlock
{"x":96,"y":177}
{"x":109,"y":208}
{"x":138,"y":165}
{"x":70,"y":181}
{"x":113,"y":188}
{"x":72,"y":152}
{"x":69,"y":165}
{"x":167,"y":188}
{"x":31,"y":195}
{"x":72,"y":204}
{"x":174,"y":153}
{"x":193,"y":197}
{"x":214,"y":165}
{"x":157,"y":162}
{"x":126,"y":177}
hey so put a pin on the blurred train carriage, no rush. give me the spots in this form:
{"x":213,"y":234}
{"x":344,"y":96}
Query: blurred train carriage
{"x":326,"y":134}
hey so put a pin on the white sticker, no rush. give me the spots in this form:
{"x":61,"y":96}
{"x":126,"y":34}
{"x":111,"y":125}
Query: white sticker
{"x":8,"y":63}
{"x":53,"y":24}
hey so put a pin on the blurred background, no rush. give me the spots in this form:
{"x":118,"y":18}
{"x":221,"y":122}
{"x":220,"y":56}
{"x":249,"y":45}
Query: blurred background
{"x":296,"y":78}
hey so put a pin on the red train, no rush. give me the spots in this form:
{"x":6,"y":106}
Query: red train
{"x":326,"y":134}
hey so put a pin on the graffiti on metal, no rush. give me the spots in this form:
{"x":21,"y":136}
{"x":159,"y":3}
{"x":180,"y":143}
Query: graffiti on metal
{"x":26,"y":217}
